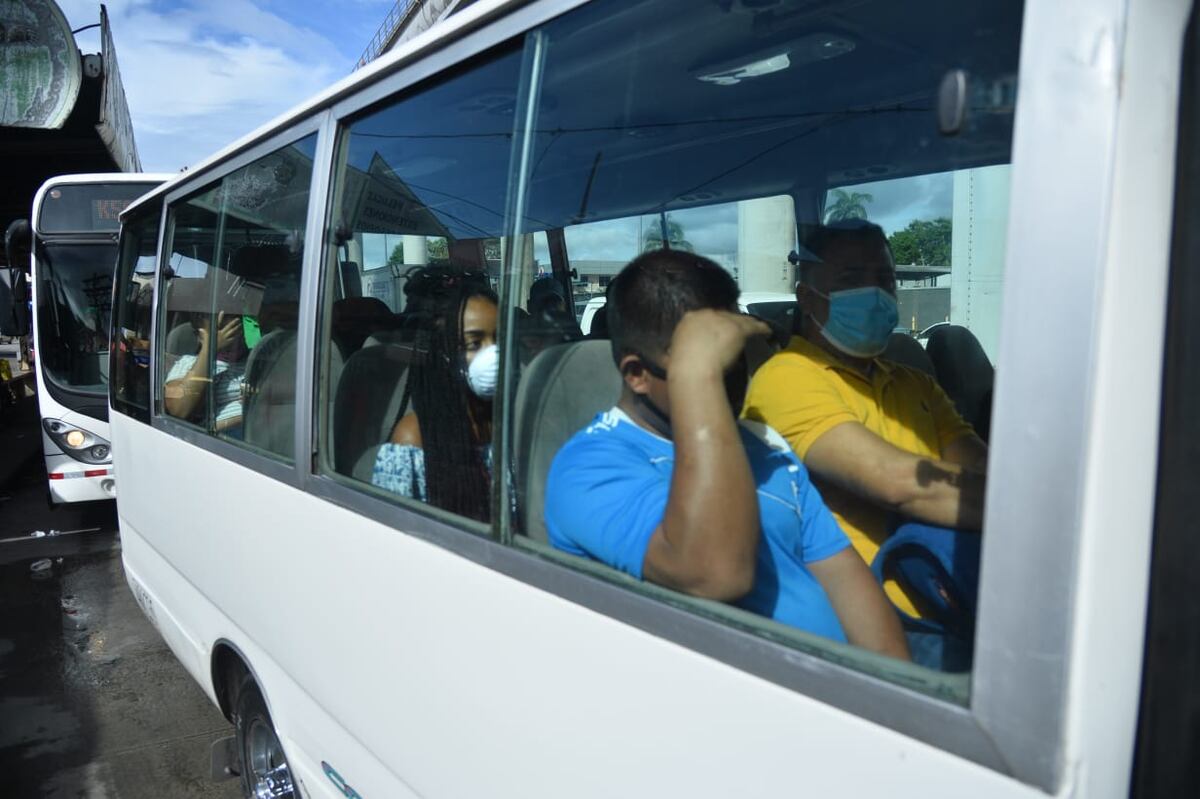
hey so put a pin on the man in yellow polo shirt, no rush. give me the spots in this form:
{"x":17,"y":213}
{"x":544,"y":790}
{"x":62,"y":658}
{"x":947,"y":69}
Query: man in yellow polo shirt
{"x":883,"y":442}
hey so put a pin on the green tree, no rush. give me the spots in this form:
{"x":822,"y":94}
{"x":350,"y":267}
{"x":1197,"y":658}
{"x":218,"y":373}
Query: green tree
{"x":923,"y":242}
{"x":397,"y":256}
{"x":437,"y":248}
{"x":847,"y":205}
{"x":652,"y":238}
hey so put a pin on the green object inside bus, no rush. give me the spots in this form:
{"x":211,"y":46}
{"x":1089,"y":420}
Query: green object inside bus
{"x":251,"y":331}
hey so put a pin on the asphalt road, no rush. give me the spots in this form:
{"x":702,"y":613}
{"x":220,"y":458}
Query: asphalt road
{"x":92,"y":703}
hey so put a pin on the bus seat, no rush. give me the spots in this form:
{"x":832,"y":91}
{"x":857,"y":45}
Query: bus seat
{"x":364,"y":467}
{"x":907,"y":351}
{"x":269,"y":411}
{"x":965,"y":373}
{"x":559,"y":393}
{"x":382,"y":337}
{"x":366,"y":404}
{"x":353,"y":319}
{"x":182,"y":340}
{"x":757,"y":352}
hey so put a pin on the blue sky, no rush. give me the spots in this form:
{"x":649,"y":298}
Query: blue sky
{"x":199,"y":74}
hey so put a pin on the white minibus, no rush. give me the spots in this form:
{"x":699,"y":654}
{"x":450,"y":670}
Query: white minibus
{"x":347,"y":550}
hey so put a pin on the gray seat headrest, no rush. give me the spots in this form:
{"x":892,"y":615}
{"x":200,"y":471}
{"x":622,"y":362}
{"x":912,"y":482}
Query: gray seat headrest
{"x":182,"y":340}
{"x":964,"y":372}
{"x":269,"y":410}
{"x":907,"y":351}
{"x":559,"y":393}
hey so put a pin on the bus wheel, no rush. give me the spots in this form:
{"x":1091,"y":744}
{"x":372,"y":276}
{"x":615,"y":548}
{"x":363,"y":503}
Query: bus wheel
{"x":265,"y":772}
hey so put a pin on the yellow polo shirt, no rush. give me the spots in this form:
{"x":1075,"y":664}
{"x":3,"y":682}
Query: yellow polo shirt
{"x":804,"y":392}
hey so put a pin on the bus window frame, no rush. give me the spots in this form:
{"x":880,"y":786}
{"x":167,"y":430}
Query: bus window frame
{"x":240,"y":453}
{"x":125,"y":406}
{"x":1015,"y":721}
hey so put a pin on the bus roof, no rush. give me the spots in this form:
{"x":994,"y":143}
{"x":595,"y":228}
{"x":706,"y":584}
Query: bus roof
{"x":449,"y":30}
{"x":106,"y":177}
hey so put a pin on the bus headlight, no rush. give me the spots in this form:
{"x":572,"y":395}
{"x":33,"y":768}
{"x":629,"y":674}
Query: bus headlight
{"x":79,"y":444}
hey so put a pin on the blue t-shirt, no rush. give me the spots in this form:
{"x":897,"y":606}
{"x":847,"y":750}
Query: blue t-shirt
{"x":607,"y":492}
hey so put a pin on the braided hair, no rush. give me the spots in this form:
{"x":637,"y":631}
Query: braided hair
{"x":455,"y":426}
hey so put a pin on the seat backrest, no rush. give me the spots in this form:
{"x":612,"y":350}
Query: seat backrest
{"x":907,"y":351}
{"x":269,"y":408}
{"x":182,"y":340}
{"x":964,"y":372}
{"x":559,"y":393}
{"x":381,"y":337}
{"x":356,"y":318}
{"x":366,"y":403}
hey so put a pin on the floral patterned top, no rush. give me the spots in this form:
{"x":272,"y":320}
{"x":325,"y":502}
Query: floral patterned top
{"x":400,"y":468}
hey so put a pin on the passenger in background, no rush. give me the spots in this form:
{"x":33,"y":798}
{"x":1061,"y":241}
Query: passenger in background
{"x":548,"y":308}
{"x":547,"y":298}
{"x":186,"y":388}
{"x":441,"y":452}
{"x":667,"y":486}
{"x":546,"y":322}
{"x":883,"y":442}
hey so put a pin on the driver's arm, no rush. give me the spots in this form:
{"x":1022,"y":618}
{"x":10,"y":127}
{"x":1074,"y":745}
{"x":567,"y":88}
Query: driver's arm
{"x":926,"y":489}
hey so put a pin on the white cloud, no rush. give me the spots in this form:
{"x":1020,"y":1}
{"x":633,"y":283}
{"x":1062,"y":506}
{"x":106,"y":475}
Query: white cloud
{"x":900,"y":201}
{"x":198,"y":76}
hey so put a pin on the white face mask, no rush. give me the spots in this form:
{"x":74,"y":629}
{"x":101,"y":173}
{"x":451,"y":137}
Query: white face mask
{"x":483,"y":372}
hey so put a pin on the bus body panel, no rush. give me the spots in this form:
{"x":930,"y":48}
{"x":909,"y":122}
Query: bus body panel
{"x":69,"y":479}
{"x":1118,"y":511}
{"x":463,"y":680}
{"x":191,"y":635}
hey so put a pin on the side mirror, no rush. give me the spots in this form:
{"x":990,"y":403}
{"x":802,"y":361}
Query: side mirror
{"x":14,"y":289}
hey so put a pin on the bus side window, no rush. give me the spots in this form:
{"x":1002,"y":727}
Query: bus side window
{"x":408,"y":349}
{"x":228,"y":362}
{"x":695,"y":151}
{"x":130,"y":349}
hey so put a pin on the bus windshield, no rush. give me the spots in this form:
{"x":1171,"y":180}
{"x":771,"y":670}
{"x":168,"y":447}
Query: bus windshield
{"x":74,"y":299}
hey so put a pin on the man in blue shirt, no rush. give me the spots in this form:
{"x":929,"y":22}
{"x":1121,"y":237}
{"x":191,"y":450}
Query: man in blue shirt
{"x":668,"y":487}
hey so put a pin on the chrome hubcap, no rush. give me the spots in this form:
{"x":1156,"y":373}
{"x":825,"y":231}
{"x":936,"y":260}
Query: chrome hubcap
{"x":269,"y":774}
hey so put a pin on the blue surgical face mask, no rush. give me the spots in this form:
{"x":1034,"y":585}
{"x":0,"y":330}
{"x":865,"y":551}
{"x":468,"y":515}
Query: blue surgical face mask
{"x":860,"y":320}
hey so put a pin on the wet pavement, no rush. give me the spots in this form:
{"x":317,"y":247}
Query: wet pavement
{"x":92,"y":703}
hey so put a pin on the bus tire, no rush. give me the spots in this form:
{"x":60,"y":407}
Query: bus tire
{"x":264,"y":767}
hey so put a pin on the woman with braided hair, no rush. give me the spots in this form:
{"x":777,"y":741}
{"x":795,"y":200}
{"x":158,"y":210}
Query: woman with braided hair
{"x":441,"y":451}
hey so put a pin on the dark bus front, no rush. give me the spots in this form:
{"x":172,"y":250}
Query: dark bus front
{"x":75,"y":253}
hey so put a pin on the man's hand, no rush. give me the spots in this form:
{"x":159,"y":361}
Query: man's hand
{"x":709,"y":341}
{"x":227,"y":332}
